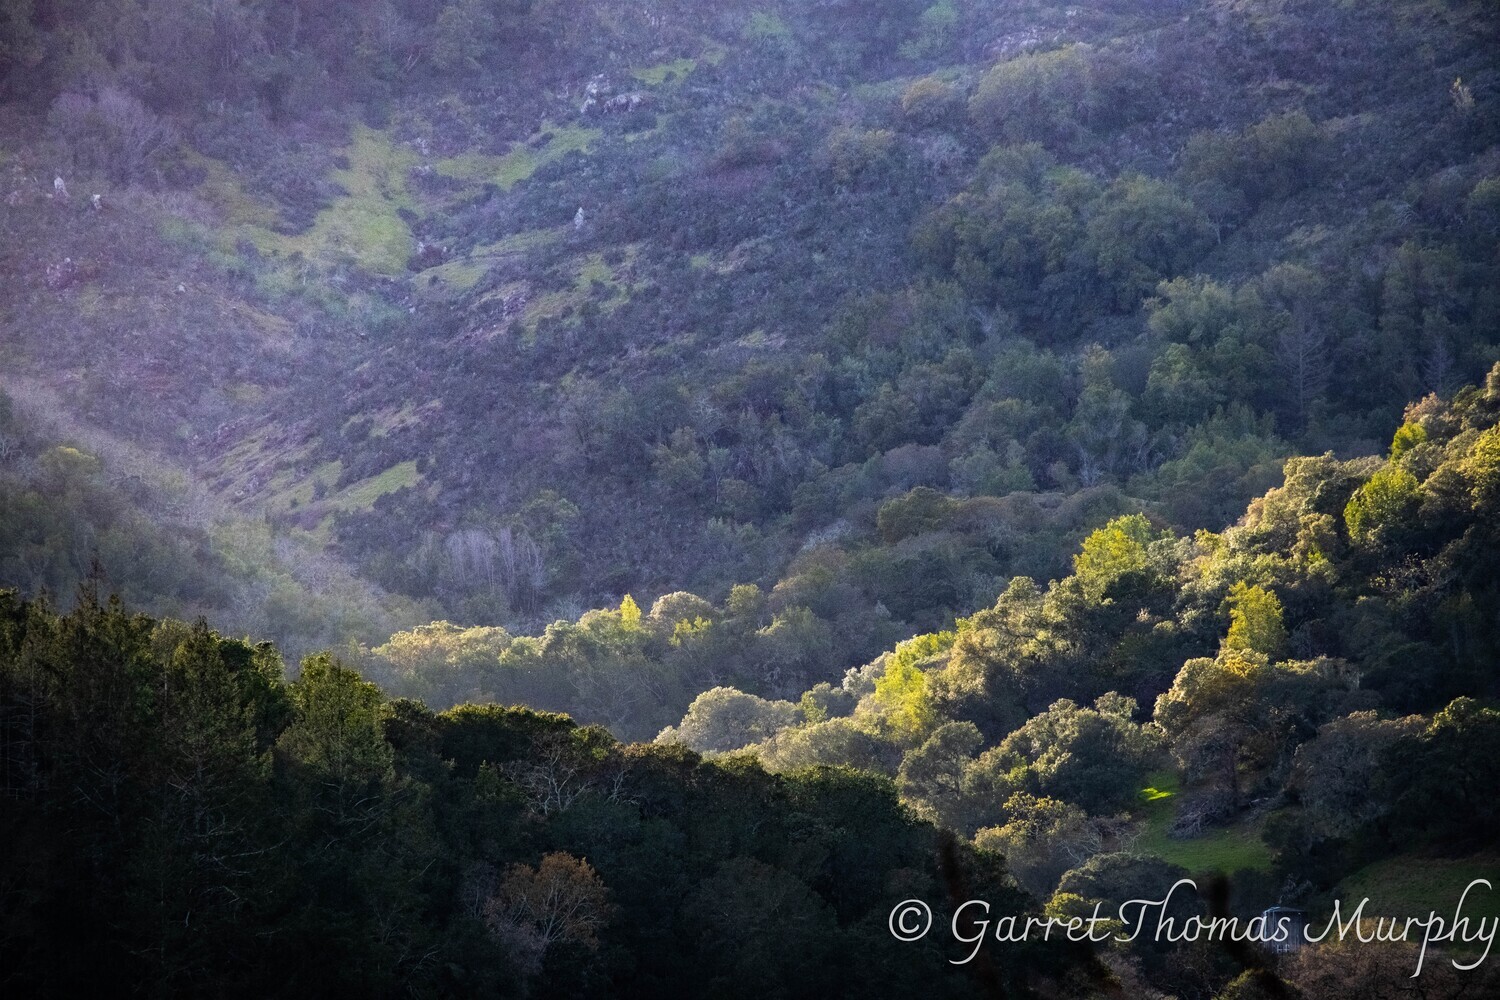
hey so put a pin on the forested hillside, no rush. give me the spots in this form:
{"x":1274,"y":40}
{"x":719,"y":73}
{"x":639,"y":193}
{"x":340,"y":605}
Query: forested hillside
{"x":1068,"y":428}
{"x":518,"y":311}
{"x":182,"y":822}
{"x":184,"y":815}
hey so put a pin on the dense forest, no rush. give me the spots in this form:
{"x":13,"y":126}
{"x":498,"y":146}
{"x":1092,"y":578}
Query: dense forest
{"x":527,"y":498}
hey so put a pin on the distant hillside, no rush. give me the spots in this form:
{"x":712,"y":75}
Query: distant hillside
{"x":518,"y":311}
{"x":986,"y":447}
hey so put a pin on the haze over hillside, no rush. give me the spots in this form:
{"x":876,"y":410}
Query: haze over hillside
{"x":931,"y":389}
{"x":341,"y":276}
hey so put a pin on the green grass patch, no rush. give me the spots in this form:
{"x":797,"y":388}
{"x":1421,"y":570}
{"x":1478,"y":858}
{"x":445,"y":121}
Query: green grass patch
{"x":222,"y":189}
{"x":290,"y":490}
{"x":363,"y":226}
{"x":473,"y":167}
{"x":657,"y":75}
{"x":297,"y":496}
{"x":462,"y":273}
{"x":591,"y":268}
{"x":392,"y":418}
{"x":594,"y":269}
{"x":1226,"y":849}
{"x":1415,"y":886}
{"x":363,"y":494}
{"x":521,"y":162}
{"x":527,"y":239}
{"x":457,"y":275}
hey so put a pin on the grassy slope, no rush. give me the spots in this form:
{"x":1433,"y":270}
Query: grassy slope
{"x":1408,"y":885}
{"x":1226,"y":850}
{"x":285,"y":587}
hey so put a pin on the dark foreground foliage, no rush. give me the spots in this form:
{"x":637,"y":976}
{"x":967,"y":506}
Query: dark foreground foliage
{"x":180,"y":821}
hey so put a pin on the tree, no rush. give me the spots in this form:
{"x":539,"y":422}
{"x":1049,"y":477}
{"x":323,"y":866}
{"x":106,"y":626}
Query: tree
{"x":930,"y":102}
{"x":1481,"y":468}
{"x":1045,"y":97}
{"x":1443,"y":780}
{"x":1255,"y":620}
{"x":1091,"y":757}
{"x":1408,"y":436}
{"x":1119,"y":548}
{"x":1383,"y":509}
{"x":462,"y":35}
{"x":791,"y":648}
{"x":442,"y":663}
{"x":1382,"y":970}
{"x":335,"y":742}
{"x":761,"y":931}
{"x":1295,"y":295}
{"x":1213,"y":714}
{"x":902,"y":697}
{"x":561,"y":901}
{"x":1272,"y":159}
{"x":931,"y":776}
{"x":723,"y":719}
{"x":1142,"y":231}
{"x":831,"y":743}
{"x":201,"y":860}
{"x":114,"y":133}
{"x":1041,"y":839}
{"x":1335,"y":774}
{"x":630,"y":613}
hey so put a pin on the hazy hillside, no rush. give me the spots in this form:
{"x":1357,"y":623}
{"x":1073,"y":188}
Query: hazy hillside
{"x":793,"y":294}
{"x":947,"y":391}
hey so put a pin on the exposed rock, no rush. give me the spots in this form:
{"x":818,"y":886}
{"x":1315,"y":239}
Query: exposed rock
{"x":622,"y":103}
{"x":1020,"y":42}
{"x":513,"y":305}
{"x":62,"y":274}
{"x":427,"y":255}
{"x":595,"y":92}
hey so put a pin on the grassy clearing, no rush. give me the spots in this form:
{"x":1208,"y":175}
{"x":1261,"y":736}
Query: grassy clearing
{"x":519,"y":243}
{"x":457,"y":275}
{"x":591,"y":269}
{"x":363,"y":494}
{"x":366,"y":226}
{"x":655,"y":76}
{"x":1413,"y":886}
{"x":360,"y":496}
{"x":522,"y":161}
{"x":362,"y":226}
{"x":222,"y":189}
{"x":1228,"y":849}
{"x":463,"y":273}
{"x":290,"y":492}
{"x":383,"y":422}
